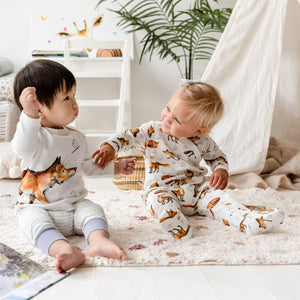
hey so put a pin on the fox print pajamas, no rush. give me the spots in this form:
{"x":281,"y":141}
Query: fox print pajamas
{"x":177,"y":186}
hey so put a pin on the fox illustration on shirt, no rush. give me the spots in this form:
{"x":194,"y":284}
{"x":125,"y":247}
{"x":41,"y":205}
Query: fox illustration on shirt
{"x":37,"y":183}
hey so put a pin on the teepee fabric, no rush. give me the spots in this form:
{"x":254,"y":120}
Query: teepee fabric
{"x":256,"y":68}
{"x":286,"y":116}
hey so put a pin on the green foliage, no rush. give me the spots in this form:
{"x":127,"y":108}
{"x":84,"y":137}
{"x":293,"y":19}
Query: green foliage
{"x":182,"y":36}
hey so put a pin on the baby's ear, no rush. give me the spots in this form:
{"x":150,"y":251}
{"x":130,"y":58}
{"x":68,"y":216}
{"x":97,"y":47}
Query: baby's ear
{"x":202,"y":131}
{"x":40,"y":106}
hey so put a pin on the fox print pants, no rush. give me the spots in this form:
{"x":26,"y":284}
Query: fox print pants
{"x":172,"y":204}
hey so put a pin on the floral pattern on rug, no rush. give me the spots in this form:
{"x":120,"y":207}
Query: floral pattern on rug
{"x":147,"y":244}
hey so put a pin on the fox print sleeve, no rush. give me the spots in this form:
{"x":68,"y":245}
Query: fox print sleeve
{"x":213,"y":156}
{"x":130,"y":138}
{"x":25,"y":140}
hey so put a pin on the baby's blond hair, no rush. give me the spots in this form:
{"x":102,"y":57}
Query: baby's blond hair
{"x":203,"y":102}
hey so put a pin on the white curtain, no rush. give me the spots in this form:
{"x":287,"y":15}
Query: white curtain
{"x":258,"y":77}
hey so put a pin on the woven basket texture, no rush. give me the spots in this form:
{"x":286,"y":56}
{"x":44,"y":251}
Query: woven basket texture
{"x":9,"y":116}
{"x":134,"y":181}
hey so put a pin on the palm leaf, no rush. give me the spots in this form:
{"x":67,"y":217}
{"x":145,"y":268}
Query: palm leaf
{"x":178,"y":35}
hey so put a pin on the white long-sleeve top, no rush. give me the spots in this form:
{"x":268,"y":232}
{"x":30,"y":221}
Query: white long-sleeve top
{"x":66,"y":151}
{"x":170,"y":160}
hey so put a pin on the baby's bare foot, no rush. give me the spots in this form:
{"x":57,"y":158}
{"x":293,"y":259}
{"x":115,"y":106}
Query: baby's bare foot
{"x":102,"y":246}
{"x":69,"y":260}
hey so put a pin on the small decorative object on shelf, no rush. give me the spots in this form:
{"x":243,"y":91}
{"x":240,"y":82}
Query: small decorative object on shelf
{"x":109,"y":53}
{"x":58,"y":53}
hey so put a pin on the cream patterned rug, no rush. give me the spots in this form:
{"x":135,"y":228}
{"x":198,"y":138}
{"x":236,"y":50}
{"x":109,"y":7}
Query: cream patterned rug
{"x":148,"y":245}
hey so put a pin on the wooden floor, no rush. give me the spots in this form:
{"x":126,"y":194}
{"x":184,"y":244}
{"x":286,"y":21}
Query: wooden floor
{"x":186,"y":283}
{"x":165,"y":283}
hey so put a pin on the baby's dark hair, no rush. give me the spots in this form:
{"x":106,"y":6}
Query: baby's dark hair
{"x":47,"y":76}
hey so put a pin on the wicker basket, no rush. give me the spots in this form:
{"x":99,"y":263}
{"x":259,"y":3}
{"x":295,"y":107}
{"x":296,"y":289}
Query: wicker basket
{"x":135,"y":181}
{"x":9,"y":116}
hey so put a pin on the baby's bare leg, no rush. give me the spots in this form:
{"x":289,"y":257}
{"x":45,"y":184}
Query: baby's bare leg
{"x":101,"y":245}
{"x":67,"y":256}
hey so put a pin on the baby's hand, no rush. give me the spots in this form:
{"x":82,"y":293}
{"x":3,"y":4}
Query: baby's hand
{"x":29,"y":102}
{"x":126,"y":166}
{"x":219,"y":179}
{"x":104,"y":155}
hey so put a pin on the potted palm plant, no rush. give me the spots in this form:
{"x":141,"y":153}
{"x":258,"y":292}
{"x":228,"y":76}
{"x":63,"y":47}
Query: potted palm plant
{"x":180,"y":35}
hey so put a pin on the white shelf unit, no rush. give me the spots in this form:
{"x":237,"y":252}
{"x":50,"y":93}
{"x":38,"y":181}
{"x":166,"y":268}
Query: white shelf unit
{"x":101,"y":114}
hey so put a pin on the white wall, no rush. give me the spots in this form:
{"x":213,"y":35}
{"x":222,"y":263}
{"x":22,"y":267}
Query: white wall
{"x":14,"y":30}
{"x":152,"y":82}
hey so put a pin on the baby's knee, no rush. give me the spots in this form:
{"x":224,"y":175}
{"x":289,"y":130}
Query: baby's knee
{"x":32,"y":221}
{"x":86,"y":211}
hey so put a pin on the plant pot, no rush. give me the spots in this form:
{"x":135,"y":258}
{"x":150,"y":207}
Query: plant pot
{"x":184,"y":81}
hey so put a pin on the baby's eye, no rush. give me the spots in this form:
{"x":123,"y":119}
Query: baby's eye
{"x":177,"y":121}
{"x":168,"y":109}
{"x":67,"y":98}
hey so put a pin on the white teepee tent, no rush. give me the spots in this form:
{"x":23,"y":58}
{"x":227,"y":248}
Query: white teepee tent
{"x":256,"y":67}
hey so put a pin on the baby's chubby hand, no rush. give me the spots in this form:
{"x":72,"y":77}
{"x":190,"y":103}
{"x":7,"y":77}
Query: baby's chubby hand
{"x":219,"y":179}
{"x":103,"y":155}
{"x":125,"y":166}
{"x":29,"y":102}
